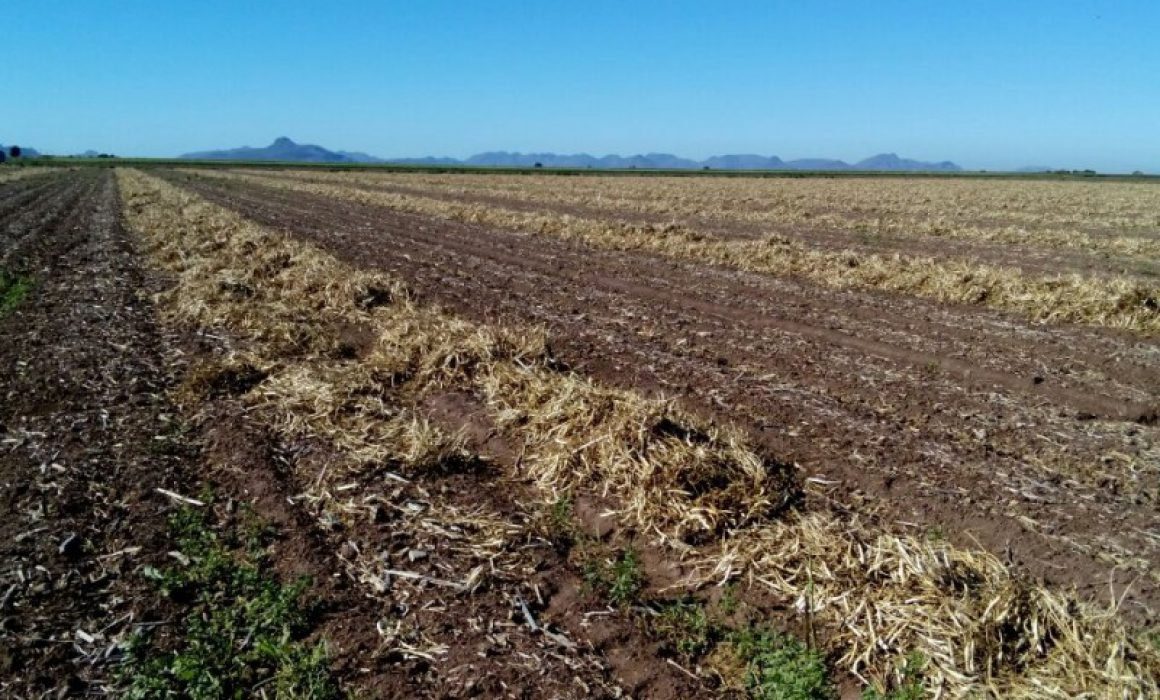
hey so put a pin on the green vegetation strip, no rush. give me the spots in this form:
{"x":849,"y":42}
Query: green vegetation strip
{"x":13,"y":289}
{"x":240,"y":632}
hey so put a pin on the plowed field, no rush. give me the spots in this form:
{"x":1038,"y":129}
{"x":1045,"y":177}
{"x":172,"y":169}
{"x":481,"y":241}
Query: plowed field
{"x":1038,"y":441}
{"x":543,"y":436}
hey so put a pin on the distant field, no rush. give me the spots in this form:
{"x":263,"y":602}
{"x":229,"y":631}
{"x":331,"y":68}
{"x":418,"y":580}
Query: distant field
{"x":1081,"y":252}
{"x":646,"y":435}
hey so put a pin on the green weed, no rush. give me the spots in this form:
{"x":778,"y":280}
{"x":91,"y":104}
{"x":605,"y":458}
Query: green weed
{"x":619,"y":579}
{"x":557,"y":525}
{"x":172,"y":440}
{"x":240,"y":629}
{"x":779,"y":667}
{"x":627,"y":579}
{"x":729,"y":602}
{"x":13,"y":289}
{"x":685,"y":627}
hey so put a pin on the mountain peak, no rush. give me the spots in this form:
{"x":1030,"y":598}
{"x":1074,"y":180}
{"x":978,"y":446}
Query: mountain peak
{"x":284,"y":149}
{"x":892,"y":161}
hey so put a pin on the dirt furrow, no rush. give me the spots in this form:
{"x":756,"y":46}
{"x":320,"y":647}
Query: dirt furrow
{"x":81,"y":377}
{"x":20,"y":194}
{"x":37,"y":206}
{"x":1028,"y":258}
{"x":94,"y":457}
{"x":980,"y":459}
{"x":959,"y":339}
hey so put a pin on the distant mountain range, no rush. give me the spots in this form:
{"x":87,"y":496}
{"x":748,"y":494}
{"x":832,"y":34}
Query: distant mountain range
{"x":284,"y":149}
{"x":667,"y":161}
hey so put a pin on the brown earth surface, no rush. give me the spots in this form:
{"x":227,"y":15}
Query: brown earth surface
{"x":479,"y":642}
{"x":1037,"y":442}
{"x":85,"y":438}
{"x":89,"y":433}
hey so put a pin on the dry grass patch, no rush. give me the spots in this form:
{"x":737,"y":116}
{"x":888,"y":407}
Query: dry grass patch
{"x":983,"y":630}
{"x":19,"y":173}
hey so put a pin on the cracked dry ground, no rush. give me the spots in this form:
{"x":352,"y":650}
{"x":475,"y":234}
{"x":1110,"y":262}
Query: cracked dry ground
{"x":1038,"y":442}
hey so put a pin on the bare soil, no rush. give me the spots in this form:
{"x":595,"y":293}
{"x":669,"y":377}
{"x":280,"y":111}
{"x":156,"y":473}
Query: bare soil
{"x":1031,"y":259}
{"x":86,"y":436}
{"x":89,"y":433}
{"x":1037,"y":442}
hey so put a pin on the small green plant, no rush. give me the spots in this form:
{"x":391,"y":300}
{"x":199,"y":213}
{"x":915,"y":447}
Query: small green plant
{"x":779,"y":667}
{"x":593,"y":572}
{"x":240,"y":629}
{"x":627,"y":579}
{"x":910,"y":687}
{"x":172,"y":440}
{"x":557,"y":523}
{"x":729,"y":602}
{"x":13,"y":289}
{"x":685,"y":627}
{"x":255,"y":534}
{"x":562,"y":512}
{"x":619,"y":579}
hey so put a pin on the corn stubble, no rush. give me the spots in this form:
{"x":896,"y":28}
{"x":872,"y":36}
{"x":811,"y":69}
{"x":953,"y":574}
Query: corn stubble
{"x":701,"y":492}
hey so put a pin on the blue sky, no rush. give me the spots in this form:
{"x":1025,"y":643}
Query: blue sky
{"x":986,"y":84}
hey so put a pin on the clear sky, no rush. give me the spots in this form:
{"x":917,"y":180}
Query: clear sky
{"x":987,"y":84}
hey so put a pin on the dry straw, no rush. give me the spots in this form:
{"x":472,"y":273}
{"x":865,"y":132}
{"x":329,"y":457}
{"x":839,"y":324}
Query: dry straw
{"x":1118,"y":302}
{"x":1107,"y":218}
{"x":703,"y":492}
{"x":684,"y":481}
{"x":14,"y":174}
{"x":294,"y":323}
